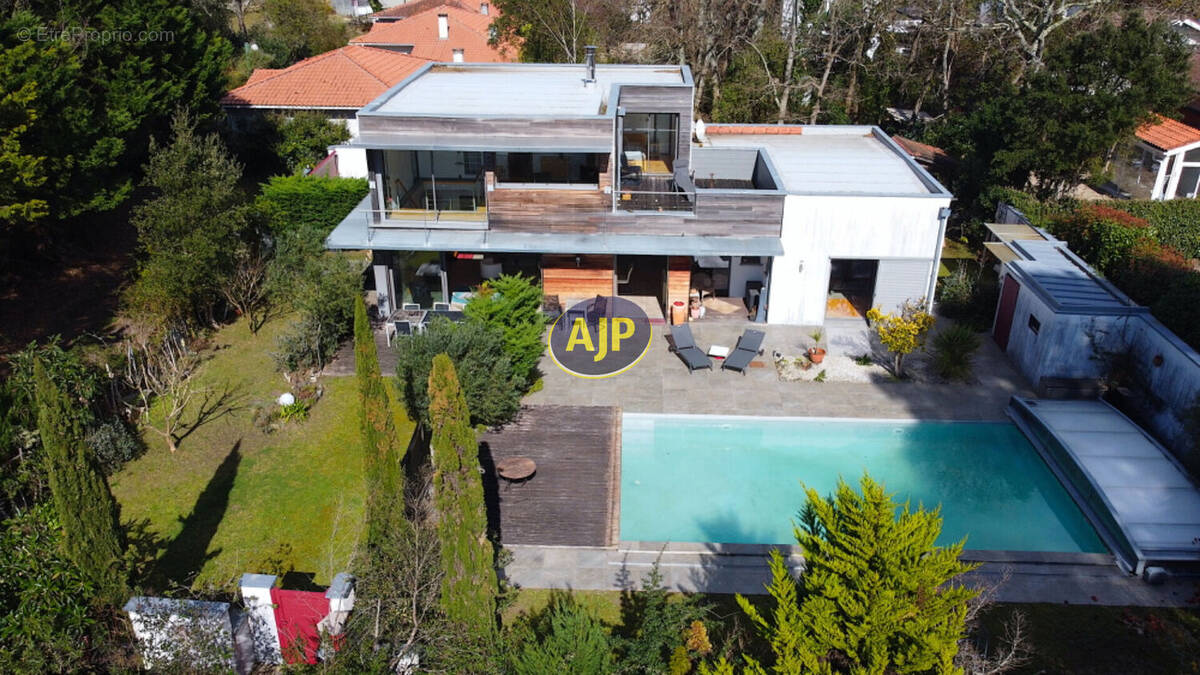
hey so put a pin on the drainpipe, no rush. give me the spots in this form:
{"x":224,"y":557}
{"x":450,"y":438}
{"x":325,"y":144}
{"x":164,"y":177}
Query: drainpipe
{"x":589,"y":60}
{"x":943,"y":216}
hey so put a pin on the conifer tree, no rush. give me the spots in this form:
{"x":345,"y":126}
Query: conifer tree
{"x":876,"y":595}
{"x":86,"y":509}
{"x":385,"y":479}
{"x":469,"y":585}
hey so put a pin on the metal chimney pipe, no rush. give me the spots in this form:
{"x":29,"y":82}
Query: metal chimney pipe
{"x":589,"y":60}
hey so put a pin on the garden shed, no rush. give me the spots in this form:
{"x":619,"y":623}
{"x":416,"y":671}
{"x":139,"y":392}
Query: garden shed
{"x":1056,"y":317}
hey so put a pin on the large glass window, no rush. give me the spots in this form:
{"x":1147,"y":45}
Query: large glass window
{"x":543,"y":167}
{"x":1135,"y":168}
{"x":417,"y":183}
{"x":649,"y":141}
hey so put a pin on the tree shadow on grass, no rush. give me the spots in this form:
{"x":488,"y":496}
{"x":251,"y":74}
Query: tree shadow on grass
{"x":214,"y":404}
{"x":187,"y":553}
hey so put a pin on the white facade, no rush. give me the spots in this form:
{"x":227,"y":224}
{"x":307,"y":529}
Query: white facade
{"x":351,"y":162}
{"x":817,"y":229}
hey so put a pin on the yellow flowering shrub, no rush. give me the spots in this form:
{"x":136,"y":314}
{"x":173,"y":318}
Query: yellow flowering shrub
{"x":902,"y":333}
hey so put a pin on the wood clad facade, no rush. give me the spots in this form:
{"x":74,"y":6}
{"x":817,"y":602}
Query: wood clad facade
{"x":679,"y":282}
{"x":664,"y":99}
{"x":591,"y":131}
{"x":725,"y":214}
{"x":593,"y":275}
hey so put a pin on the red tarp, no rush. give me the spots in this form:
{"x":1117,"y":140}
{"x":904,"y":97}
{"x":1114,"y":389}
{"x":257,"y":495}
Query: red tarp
{"x":297,"y":614}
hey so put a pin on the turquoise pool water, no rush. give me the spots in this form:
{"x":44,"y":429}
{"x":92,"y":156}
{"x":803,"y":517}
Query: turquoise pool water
{"x":738,"y":480}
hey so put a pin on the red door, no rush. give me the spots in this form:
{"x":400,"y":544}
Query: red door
{"x":1004,"y":316}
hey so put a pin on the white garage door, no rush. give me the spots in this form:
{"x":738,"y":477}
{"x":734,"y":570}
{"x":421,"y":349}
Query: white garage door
{"x":900,"y":280}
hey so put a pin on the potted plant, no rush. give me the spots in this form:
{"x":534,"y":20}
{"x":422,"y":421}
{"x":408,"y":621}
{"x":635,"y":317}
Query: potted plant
{"x":816,"y":353}
{"x":695,"y":308}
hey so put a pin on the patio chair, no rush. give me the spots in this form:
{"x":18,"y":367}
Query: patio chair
{"x":685,"y":346}
{"x":411,"y":307}
{"x":597,"y":308}
{"x":629,"y":172}
{"x":441,"y":306}
{"x":749,"y":345}
{"x":399,"y":328}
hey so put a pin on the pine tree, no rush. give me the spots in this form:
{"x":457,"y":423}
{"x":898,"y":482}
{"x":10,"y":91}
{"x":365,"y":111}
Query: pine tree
{"x":875,"y":596}
{"x":86,"y":509}
{"x":469,"y":585}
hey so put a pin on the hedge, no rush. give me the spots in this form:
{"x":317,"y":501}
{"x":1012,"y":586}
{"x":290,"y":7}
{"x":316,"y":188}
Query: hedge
{"x":1176,"y":222}
{"x":309,"y":206}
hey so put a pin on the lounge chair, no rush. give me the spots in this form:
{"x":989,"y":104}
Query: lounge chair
{"x":749,"y":345}
{"x":685,"y":347}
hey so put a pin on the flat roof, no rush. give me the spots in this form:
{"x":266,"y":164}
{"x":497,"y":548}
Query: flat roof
{"x":517,"y":89}
{"x":1151,"y":498}
{"x":834,"y":160}
{"x":1065,"y":281}
{"x":353,"y":234}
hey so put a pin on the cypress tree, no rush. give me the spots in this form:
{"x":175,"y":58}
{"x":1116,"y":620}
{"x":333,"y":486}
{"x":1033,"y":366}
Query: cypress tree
{"x":385,"y":480}
{"x":469,"y":585}
{"x":875,"y":595}
{"x":86,"y":509}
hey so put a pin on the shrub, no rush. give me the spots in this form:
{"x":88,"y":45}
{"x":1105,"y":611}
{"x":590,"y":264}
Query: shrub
{"x":564,"y":639}
{"x":294,"y":412}
{"x":323,"y":293}
{"x":512,"y":303}
{"x":1105,"y":237}
{"x":483,"y":368}
{"x":303,"y":138}
{"x":302,"y":210}
{"x":901,"y":333}
{"x":952,"y":352}
{"x":114,"y":445}
{"x":1176,"y":222}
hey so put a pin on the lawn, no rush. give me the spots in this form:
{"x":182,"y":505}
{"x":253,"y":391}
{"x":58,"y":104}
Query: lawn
{"x":235,"y":499}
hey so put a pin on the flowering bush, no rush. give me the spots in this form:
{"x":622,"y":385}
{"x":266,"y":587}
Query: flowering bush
{"x":902,"y":333}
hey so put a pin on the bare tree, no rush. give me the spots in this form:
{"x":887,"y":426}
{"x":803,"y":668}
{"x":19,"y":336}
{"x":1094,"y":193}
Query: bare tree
{"x":980,"y":655}
{"x":246,"y":287}
{"x":1032,"y":22}
{"x":240,"y":9}
{"x":161,"y":370}
{"x":703,"y":34}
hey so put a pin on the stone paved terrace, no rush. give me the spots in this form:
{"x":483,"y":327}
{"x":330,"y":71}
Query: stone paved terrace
{"x":660,"y":383}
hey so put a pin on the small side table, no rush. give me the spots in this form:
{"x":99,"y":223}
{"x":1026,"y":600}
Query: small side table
{"x":718,"y":351}
{"x":516,"y":469}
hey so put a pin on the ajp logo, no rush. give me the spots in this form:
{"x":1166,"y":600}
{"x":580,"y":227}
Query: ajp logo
{"x":600,"y":338}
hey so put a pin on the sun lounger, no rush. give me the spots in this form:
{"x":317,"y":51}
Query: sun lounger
{"x":685,"y":347}
{"x":749,"y":345}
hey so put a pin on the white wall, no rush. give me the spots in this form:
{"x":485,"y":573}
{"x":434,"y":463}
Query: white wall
{"x":739,"y":274}
{"x":818,"y":228}
{"x":351,"y":162}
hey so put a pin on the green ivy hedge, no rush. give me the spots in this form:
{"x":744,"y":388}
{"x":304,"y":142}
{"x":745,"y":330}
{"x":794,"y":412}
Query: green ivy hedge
{"x":1176,"y":222}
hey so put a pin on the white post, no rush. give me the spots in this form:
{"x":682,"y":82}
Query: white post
{"x":256,"y":595}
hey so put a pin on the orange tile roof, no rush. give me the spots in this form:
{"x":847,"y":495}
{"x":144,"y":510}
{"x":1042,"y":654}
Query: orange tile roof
{"x":468,"y":31}
{"x":350,"y":77}
{"x":1167,"y":134}
{"x":784,"y":129}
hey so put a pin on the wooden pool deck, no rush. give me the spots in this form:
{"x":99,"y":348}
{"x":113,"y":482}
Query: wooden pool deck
{"x":573,"y":497}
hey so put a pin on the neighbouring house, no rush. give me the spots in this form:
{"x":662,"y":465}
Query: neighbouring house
{"x":406,"y":9}
{"x":587,"y":177}
{"x":336,"y":84}
{"x":443,"y":32}
{"x":1161,"y":162}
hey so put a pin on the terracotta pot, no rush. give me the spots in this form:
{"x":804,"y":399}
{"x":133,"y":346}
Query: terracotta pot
{"x":816,"y":354}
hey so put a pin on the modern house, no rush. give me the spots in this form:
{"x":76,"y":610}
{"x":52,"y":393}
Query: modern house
{"x":587,"y":177}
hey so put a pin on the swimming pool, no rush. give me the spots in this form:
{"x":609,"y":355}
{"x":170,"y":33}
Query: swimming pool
{"x":687,"y":478}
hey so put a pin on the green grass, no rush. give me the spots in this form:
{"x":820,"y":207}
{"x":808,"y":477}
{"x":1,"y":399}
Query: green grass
{"x":234,"y":499}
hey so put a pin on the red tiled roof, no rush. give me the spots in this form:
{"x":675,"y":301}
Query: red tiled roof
{"x":922,"y":151}
{"x":785,"y":129}
{"x":468,"y":31}
{"x":1167,"y":134}
{"x":417,"y":6}
{"x":350,"y":77}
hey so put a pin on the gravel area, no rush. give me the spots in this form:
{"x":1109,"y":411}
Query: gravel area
{"x":848,"y":345}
